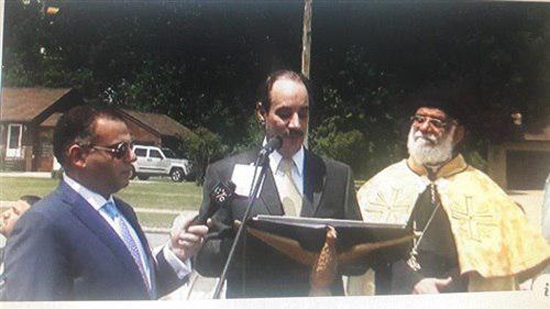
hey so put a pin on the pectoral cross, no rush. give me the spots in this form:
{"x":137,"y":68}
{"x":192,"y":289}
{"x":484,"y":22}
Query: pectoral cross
{"x":412,"y":261}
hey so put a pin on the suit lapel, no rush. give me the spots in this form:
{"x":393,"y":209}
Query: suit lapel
{"x":268,"y":201}
{"x":97,"y":225}
{"x":314,"y":183}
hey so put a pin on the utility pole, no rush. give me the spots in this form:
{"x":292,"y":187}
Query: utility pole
{"x":306,"y":38}
{"x":2,"y":5}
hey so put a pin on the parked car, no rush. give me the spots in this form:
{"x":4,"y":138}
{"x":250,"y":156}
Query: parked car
{"x":155,"y":161}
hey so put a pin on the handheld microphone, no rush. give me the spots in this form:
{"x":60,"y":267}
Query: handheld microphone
{"x":272,"y":144}
{"x":220,"y":196}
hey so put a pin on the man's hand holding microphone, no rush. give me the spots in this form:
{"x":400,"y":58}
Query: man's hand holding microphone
{"x":188,"y":233}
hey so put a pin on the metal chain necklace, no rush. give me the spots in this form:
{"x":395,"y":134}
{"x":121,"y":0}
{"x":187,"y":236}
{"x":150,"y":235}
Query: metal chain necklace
{"x":412,"y":262}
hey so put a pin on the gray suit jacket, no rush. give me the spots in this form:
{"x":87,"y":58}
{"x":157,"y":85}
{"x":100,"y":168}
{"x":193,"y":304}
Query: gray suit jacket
{"x":257,"y":269}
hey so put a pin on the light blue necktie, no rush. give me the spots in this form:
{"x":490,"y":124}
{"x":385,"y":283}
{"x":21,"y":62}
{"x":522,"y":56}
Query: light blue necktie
{"x":110,"y":209}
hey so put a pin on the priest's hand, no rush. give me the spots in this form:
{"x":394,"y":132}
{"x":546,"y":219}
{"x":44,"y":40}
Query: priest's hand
{"x":431,"y":285}
{"x":186,"y":239}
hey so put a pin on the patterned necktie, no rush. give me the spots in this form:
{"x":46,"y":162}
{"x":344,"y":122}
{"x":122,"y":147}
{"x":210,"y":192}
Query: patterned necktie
{"x":290,"y":195}
{"x":110,"y":209}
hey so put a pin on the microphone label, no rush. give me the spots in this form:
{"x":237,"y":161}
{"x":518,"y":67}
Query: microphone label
{"x":220,"y":194}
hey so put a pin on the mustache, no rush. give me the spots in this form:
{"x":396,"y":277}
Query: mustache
{"x":293,"y":134}
{"x":427,"y":137}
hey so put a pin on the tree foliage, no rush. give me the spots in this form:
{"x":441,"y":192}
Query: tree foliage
{"x":203,"y":148}
{"x":200,"y":62}
{"x":350,"y":147}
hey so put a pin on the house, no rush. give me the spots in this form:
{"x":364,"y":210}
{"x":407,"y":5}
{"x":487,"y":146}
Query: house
{"x":154,"y":129}
{"x":521,"y":164}
{"x":28,"y":117}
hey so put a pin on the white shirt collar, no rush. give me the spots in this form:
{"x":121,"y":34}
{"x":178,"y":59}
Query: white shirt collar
{"x":96,"y":200}
{"x":275,"y":158}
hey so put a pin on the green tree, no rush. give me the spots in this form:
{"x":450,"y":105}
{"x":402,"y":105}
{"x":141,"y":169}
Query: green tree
{"x":349,"y":147}
{"x":203,"y":148}
{"x":200,"y":62}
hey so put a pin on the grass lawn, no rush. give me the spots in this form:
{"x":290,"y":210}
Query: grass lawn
{"x":155,"y":219}
{"x":11,"y":188}
{"x":159,"y":193}
{"x":163,"y":194}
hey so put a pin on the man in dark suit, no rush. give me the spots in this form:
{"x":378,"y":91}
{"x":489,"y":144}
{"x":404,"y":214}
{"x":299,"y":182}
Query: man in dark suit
{"x":298,"y":183}
{"x":80,"y":242}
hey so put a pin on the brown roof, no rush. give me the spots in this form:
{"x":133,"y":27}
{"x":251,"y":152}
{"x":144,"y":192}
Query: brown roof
{"x":161,"y":123}
{"x":25,"y":104}
{"x":51,"y":121}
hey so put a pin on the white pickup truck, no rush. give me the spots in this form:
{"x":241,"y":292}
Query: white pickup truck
{"x":155,"y":161}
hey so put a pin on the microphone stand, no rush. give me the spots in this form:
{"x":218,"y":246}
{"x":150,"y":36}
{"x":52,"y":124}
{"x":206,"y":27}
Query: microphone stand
{"x":261,"y":163}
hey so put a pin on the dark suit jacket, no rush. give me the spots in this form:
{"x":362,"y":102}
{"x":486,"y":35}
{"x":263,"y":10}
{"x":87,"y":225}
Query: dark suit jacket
{"x":257,"y":269}
{"x":2,"y":276}
{"x":62,"y":249}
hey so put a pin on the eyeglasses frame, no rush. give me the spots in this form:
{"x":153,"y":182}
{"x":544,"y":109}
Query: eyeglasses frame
{"x":116,"y":150}
{"x":434,"y":122}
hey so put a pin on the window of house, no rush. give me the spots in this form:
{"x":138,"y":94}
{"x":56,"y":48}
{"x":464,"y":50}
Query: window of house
{"x":14,"y":135}
{"x":15,"y":132}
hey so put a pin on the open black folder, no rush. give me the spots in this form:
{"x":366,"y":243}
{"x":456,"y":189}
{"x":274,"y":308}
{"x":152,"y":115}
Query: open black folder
{"x":387,"y":241}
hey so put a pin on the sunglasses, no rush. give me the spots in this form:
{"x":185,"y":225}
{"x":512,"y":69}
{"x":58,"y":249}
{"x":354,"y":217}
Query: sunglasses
{"x":118,"y":151}
{"x":434,"y":122}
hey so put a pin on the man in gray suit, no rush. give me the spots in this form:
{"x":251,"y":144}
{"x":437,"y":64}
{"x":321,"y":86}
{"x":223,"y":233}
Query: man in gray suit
{"x":298,"y":183}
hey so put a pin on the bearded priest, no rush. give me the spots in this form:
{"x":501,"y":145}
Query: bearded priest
{"x":470,"y":235}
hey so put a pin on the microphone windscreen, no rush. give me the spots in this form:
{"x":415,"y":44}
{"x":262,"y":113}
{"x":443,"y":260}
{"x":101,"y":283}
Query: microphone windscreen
{"x":274,"y":143}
